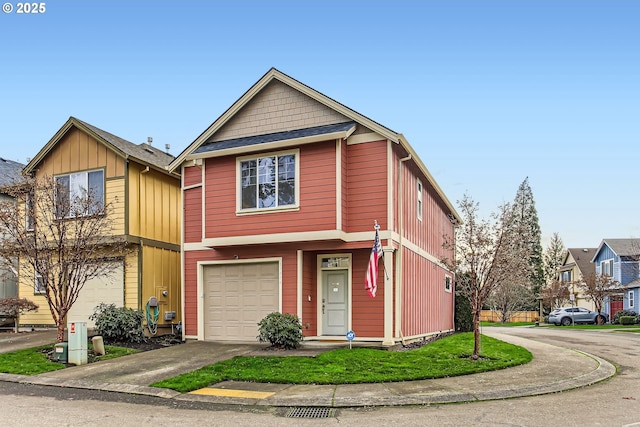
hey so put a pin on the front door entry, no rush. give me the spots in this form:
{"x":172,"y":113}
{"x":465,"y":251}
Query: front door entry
{"x":334,"y":302}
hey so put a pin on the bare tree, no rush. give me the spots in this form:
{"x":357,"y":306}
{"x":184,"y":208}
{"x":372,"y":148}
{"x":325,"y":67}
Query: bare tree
{"x":598,"y":287}
{"x":489,"y":253}
{"x":509,"y":298}
{"x":62,"y":239}
{"x":556,"y":294}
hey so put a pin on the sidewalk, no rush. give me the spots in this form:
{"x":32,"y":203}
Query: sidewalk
{"x":132,"y":374}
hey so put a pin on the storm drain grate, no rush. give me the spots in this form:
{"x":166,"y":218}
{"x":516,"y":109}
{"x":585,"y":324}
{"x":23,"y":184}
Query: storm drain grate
{"x":310,"y":413}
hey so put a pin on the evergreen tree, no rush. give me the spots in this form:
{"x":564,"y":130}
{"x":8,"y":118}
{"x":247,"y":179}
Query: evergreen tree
{"x":526,"y":216}
{"x":553,"y":258}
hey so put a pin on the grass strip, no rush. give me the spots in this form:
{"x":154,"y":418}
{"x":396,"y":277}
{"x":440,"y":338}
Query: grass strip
{"x":443,"y":358}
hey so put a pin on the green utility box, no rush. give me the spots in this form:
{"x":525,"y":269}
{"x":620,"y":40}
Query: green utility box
{"x":60,"y":352}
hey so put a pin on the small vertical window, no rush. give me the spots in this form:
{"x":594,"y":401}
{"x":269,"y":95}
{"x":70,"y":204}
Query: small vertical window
{"x":39,"y":287}
{"x":631,"y":301}
{"x":447,"y":283}
{"x":30,"y":211}
{"x":419,"y":200}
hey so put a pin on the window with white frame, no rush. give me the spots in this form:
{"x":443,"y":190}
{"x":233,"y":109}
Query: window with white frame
{"x":565,"y":276}
{"x":448,"y":283}
{"x":419,"y":199}
{"x":30,"y":218}
{"x":606,"y":268}
{"x":80,"y":194}
{"x":268,"y":182}
{"x":630,"y":297}
{"x":39,"y":287}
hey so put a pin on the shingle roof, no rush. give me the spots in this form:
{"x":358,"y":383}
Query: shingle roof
{"x":144,"y":152}
{"x":272,"y":137}
{"x":582,"y":257}
{"x":624,"y":247}
{"x":10,"y":172}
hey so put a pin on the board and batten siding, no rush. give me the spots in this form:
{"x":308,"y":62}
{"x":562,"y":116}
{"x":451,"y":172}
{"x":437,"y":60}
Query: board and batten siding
{"x":426,"y":305}
{"x":192,"y":213}
{"x":367,"y":312}
{"x":317,"y":211}
{"x":78,"y":151}
{"x":154,"y":204}
{"x":366,"y":186}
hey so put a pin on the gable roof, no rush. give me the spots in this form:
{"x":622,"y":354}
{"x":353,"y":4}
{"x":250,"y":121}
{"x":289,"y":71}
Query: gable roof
{"x":621,"y":247}
{"x":582,"y":258}
{"x":141,"y":153}
{"x":10,"y":172}
{"x":273,"y":74}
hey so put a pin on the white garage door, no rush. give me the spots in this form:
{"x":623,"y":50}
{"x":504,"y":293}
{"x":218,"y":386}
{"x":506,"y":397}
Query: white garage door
{"x":109,"y":290}
{"x":237,"y":297}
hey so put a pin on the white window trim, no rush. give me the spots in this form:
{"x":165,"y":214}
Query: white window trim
{"x":606,"y":261}
{"x":630,"y":296}
{"x":448,"y":283}
{"x":86,"y":174}
{"x":239,"y":160}
{"x":39,"y":289}
{"x":419,"y":204}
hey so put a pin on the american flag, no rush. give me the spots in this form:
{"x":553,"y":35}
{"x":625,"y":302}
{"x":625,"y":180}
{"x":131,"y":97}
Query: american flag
{"x":371,"y":283}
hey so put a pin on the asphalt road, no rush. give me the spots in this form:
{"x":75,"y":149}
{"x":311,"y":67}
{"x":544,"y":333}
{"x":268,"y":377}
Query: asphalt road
{"x":615,"y":402}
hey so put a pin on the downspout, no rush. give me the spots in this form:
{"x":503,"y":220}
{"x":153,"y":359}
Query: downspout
{"x":400,"y":249}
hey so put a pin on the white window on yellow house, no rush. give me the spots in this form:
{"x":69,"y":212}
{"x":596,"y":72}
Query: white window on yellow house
{"x":39,"y":287}
{"x":76,"y":189}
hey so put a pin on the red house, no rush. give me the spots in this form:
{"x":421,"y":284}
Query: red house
{"x":280,"y":197}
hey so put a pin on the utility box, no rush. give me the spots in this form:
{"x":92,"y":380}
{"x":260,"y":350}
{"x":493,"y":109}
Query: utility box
{"x":77,"y":343}
{"x":60,"y":352}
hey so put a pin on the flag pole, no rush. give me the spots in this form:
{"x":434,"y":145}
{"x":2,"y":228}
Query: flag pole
{"x":376,"y":227}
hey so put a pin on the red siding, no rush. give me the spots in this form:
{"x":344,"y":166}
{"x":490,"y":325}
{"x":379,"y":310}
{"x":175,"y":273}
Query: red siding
{"x":367,"y":312}
{"x":366,"y":177}
{"x":192,"y":176}
{"x":317,"y":197}
{"x":192,"y":214}
{"x":426,"y":306}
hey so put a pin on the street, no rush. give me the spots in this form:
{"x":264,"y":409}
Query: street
{"x":615,"y":402}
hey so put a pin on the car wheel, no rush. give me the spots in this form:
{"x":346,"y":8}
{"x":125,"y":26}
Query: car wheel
{"x":565,"y":321}
{"x":602,"y":320}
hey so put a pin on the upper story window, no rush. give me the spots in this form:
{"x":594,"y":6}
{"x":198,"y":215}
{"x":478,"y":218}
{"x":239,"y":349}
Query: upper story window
{"x":269,"y":182}
{"x":419,"y":199}
{"x":80,"y":194}
{"x":565,"y":276}
{"x":30,"y":219}
{"x":448,"y":283}
{"x":39,"y":287}
{"x":606,"y":268}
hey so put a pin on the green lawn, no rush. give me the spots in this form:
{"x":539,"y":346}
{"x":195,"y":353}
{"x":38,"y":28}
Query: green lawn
{"x":443,"y":358}
{"x":34,"y":361}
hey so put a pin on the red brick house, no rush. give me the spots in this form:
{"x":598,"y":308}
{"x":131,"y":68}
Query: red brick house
{"x":280,"y":196}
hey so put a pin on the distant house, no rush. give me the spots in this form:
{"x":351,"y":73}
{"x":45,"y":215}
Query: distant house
{"x":577,"y":264}
{"x":619,"y":259}
{"x":10,"y":174}
{"x":147,"y":216}
{"x":280,"y":197}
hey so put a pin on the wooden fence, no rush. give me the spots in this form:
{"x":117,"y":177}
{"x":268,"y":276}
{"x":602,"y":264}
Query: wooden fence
{"x":517,"y":316}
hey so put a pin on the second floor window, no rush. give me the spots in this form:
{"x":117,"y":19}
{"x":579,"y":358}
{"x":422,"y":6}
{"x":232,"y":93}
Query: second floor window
{"x":565,"y":276}
{"x":268,"y":182}
{"x":419,"y":200}
{"x":80,"y":194}
{"x":606,"y":268}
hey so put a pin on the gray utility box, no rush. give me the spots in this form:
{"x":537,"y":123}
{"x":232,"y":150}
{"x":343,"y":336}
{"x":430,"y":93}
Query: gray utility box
{"x":77,"y":343}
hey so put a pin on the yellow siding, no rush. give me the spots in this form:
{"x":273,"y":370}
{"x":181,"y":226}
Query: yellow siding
{"x":25,"y":290}
{"x":115,"y":191}
{"x":160,"y":273}
{"x":131,"y":287}
{"x":154,"y":205}
{"x":77,"y":151}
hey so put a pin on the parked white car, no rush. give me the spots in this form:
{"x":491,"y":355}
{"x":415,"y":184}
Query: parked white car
{"x":571,"y":315}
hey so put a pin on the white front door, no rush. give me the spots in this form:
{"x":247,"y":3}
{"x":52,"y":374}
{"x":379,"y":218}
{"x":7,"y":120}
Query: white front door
{"x":334,"y":302}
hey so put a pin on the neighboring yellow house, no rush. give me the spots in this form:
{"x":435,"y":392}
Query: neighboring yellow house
{"x":577,"y":264}
{"x":147,"y":214}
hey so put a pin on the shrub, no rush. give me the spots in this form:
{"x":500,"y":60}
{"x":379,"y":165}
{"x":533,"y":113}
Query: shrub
{"x":463,"y":318}
{"x":281,"y":330}
{"x":627,"y":320}
{"x":616,"y":317}
{"x":118,"y":324}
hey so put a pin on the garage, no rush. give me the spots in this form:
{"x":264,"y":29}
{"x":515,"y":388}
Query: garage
{"x":108,"y":290}
{"x":236,"y":297}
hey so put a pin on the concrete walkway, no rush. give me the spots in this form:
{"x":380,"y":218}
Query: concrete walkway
{"x":132,"y":374}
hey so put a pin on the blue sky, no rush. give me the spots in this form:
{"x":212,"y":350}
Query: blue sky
{"x":488,"y":92}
